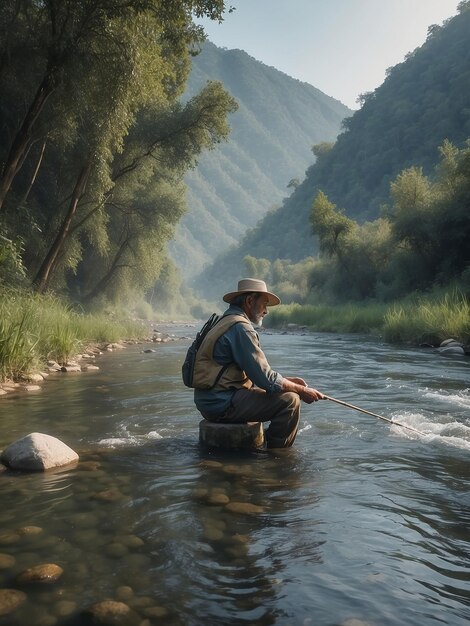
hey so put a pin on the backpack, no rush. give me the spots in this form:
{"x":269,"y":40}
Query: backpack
{"x":187,"y":369}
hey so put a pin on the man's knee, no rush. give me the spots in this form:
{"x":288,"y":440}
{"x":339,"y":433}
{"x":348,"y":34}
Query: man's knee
{"x":291,"y":399}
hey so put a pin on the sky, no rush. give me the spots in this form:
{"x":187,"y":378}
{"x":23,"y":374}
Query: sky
{"x":342,"y":47}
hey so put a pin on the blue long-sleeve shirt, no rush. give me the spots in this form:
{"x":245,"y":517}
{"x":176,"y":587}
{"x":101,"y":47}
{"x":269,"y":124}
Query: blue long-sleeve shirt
{"x":240,"y":345}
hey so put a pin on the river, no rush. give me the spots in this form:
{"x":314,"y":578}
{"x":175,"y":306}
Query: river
{"x":360,"y":523}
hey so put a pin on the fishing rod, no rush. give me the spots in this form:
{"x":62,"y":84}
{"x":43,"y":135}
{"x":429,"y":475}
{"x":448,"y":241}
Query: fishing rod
{"x":381,"y":417}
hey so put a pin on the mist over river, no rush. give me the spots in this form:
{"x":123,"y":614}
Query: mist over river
{"x":360,"y":523}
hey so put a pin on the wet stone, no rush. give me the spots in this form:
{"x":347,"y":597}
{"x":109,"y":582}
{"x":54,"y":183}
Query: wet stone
{"x":89,"y":466}
{"x":109,"y":495}
{"x":29,"y":531}
{"x":244,"y":508}
{"x":10,"y":600}
{"x":64,"y":608}
{"x":44,"y":573}
{"x":116,"y":550}
{"x":131,"y":541}
{"x":218,"y":498}
{"x":210,"y":464}
{"x":9,"y":537}
{"x":85,"y":520}
{"x":6,"y":561}
{"x":155,"y":611}
{"x":213,"y":534}
{"x":112,"y":613}
{"x":124,"y":593}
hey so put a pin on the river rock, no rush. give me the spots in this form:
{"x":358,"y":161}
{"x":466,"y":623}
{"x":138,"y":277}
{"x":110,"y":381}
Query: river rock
{"x":6,"y":561}
{"x":449,"y":342}
{"x":10,"y":600}
{"x":112,"y":613}
{"x":90,"y":368}
{"x":244,"y":508}
{"x":44,"y":573}
{"x":71,"y":368}
{"x":33,"y":378}
{"x":452,"y":349}
{"x":38,"y":452}
{"x":29,"y":531}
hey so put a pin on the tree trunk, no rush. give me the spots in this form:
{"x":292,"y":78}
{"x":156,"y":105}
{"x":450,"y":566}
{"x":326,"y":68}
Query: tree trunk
{"x":105,"y":280}
{"x":35,"y":173}
{"x":23,"y":137}
{"x":42,"y":278}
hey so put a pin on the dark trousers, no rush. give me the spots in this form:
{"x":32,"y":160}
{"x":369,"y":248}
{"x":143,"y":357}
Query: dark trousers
{"x":255,"y":405}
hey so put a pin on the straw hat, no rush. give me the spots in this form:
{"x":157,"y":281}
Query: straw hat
{"x":250,"y":285}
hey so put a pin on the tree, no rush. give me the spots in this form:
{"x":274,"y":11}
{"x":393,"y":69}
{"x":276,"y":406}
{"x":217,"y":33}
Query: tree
{"x":63,"y":37}
{"x":330,"y":225}
{"x":126,"y":199}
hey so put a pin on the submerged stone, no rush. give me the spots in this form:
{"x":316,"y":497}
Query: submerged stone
{"x":44,"y":573}
{"x":10,"y":600}
{"x":112,"y":613}
{"x":244,"y":508}
{"x":6,"y":561}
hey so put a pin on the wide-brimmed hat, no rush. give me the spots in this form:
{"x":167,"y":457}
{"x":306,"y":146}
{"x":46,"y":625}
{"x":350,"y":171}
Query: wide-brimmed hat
{"x":250,"y":285}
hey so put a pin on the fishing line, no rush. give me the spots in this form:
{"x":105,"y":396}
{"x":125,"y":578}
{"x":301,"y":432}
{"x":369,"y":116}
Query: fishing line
{"x":381,"y":417}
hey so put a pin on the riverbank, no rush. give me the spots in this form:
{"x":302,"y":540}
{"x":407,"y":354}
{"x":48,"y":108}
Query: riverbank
{"x":38,"y":331}
{"x":423,"y":320}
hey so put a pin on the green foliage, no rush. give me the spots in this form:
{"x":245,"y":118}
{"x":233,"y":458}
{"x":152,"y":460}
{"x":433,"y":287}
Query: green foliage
{"x":94,"y":143}
{"x":429,"y":321}
{"x":34,"y":328}
{"x":17,"y":343}
{"x":425,"y":319}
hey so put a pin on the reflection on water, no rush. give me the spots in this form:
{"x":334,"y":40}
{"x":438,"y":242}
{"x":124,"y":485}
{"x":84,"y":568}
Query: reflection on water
{"x":359,"y":521}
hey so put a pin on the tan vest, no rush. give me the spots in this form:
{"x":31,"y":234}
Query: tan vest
{"x":207,"y":371}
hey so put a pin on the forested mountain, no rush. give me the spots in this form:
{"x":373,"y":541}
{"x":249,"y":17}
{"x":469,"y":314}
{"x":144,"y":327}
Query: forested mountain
{"x":278,"y":120}
{"x":422,"y":102}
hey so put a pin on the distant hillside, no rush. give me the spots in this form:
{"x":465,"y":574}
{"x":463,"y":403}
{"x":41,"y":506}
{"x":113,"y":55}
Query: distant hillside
{"x":423,"y":101}
{"x":278,"y":121}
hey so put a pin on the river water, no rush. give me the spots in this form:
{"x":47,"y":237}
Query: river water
{"x":360,"y":523}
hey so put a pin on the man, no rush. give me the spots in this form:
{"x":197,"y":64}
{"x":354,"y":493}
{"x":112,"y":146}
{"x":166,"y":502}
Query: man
{"x":233,"y":380}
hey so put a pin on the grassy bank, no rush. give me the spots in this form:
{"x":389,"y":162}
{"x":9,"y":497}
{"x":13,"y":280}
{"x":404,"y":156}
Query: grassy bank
{"x":431,"y":319}
{"x":36,"y":328}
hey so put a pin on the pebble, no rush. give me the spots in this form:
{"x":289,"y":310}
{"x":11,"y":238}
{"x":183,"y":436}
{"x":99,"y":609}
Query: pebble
{"x":131,"y":541}
{"x":29,"y":531}
{"x":64,"y":608}
{"x":218,"y":498}
{"x":155,"y":611}
{"x":213,"y":534}
{"x":9,"y":537}
{"x":124,"y":592}
{"x":113,"y":613}
{"x":245,"y":508}
{"x":6,"y":561}
{"x":44,"y":573}
{"x":10,"y":600}
{"x":116,"y":550}
{"x":109,"y":495}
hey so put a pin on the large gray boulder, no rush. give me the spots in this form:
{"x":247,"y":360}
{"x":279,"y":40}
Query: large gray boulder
{"x":37,"y":452}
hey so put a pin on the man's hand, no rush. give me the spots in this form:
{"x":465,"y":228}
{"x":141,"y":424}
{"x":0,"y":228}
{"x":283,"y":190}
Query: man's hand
{"x":298,"y":385}
{"x":310,"y":395}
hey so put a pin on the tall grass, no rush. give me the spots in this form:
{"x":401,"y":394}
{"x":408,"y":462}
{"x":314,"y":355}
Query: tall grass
{"x":336,"y":319}
{"x":35,"y":328}
{"x":431,"y":319}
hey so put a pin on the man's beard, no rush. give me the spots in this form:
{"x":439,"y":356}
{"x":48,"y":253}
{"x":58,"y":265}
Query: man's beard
{"x":257,"y":321}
